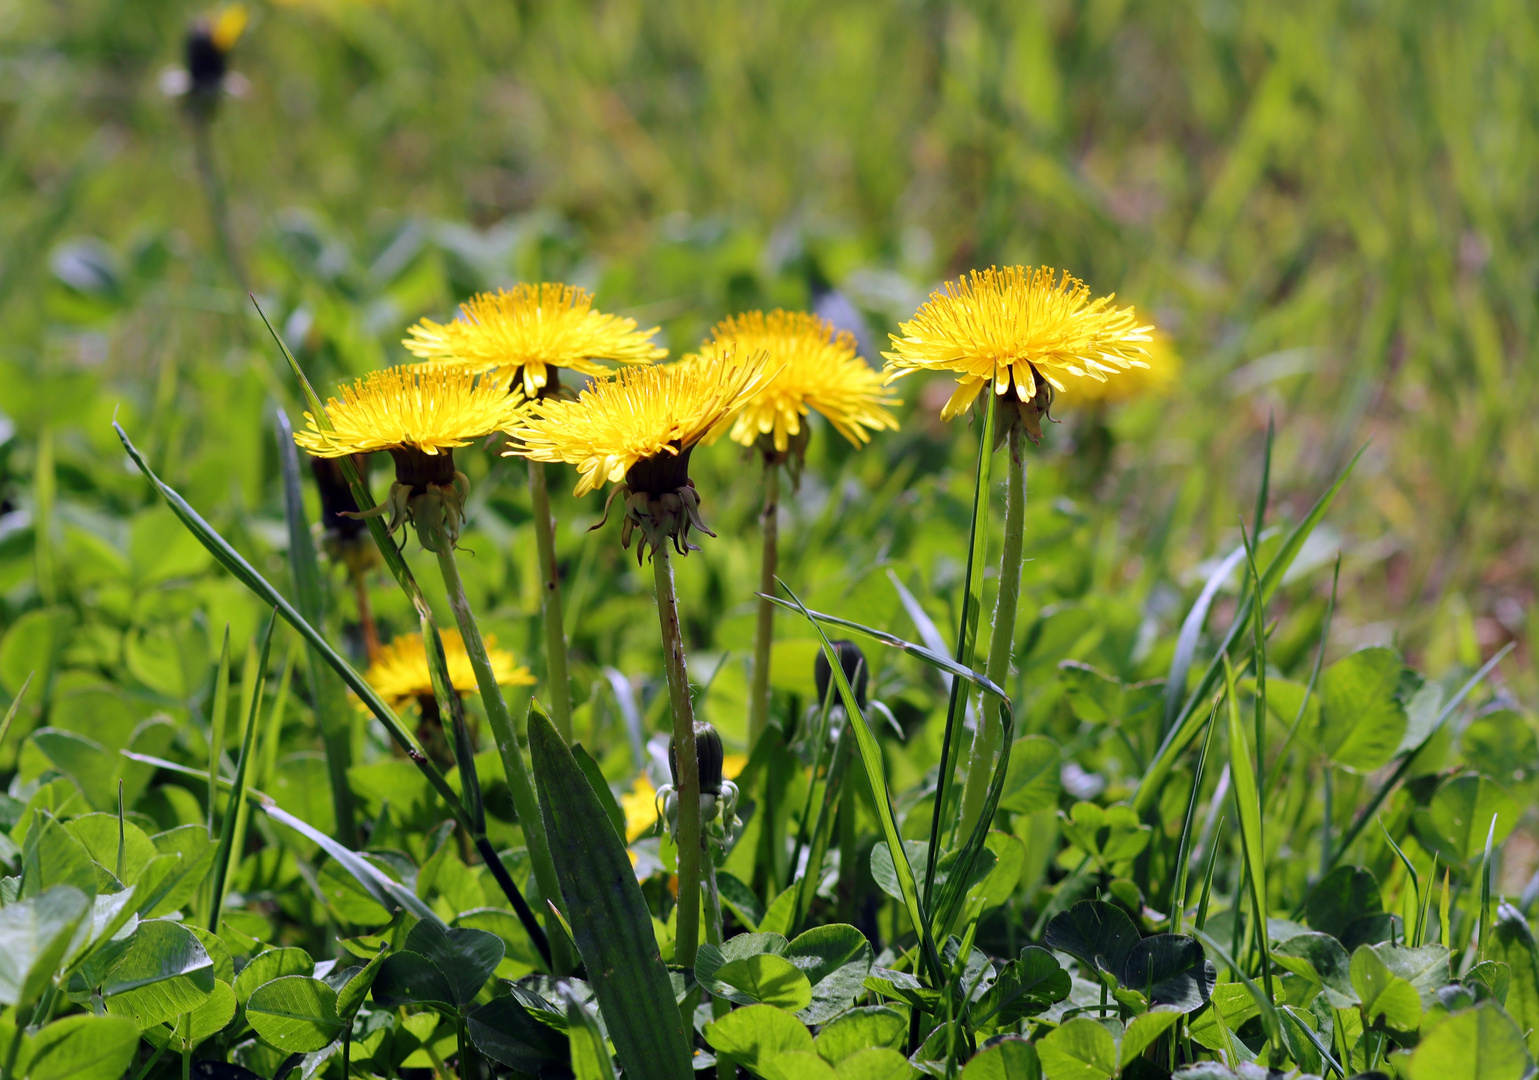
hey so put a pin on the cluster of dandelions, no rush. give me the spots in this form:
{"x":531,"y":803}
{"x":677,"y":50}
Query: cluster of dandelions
{"x":1026,"y":334}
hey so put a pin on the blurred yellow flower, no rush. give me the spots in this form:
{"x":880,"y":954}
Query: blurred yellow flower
{"x":530,"y":329}
{"x":226,"y":27}
{"x":640,"y":807}
{"x":650,"y":416}
{"x":403,"y":409}
{"x":811,"y":365}
{"x":1014,"y":327}
{"x":1162,"y":364}
{"x":400,"y":672}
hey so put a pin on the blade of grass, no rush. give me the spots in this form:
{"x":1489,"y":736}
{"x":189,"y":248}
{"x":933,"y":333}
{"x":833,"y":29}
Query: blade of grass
{"x":1258,"y":646}
{"x":1409,"y":869}
{"x":871,"y":757}
{"x":1426,"y":905}
{"x":1207,"y":875}
{"x":1485,"y":892}
{"x":226,"y":855}
{"x":14,"y":707}
{"x":1262,"y":998}
{"x":216,"y":717}
{"x":1183,"y":848}
{"x":1191,"y":634}
{"x":1186,"y":724}
{"x":1309,"y":687}
{"x":966,"y":640}
{"x":1252,"y":842}
{"x":310,"y":594}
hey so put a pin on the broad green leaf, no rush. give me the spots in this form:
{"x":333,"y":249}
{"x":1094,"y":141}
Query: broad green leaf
{"x":1170,"y":970}
{"x":861,"y":1029}
{"x":1387,"y":1000}
{"x":270,"y":964}
{"x":1098,"y":934}
{"x":99,"y":835}
{"x":51,"y":856}
{"x":1004,"y":876}
{"x":796,"y":1065}
{"x":83,"y":1048}
{"x":590,"y":1053}
{"x":610,"y":920}
{"x":1425,"y":967}
{"x":167,"y":886}
{"x":1032,"y":781}
{"x":1326,"y":960}
{"x":875,"y":1063}
{"x":1457,"y":820}
{"x":764,"y":979}
{"x":210,"y":1018}
{"x":35,"y":935}
{"x":1233,"y":1005}
{"x":409,"y":978}
{"x":1344,"y":895}
{"x":295,"y":1013}
{"x":1143,"y":1030}
{"x":836,"y":959}
{"x":756,"y":1034}
{"x":1361,"y":719}
{"x":1011,"y":1058}
{"x":505,"y":1030}
{"x":164,"y":973}
{"x":1512,"y":941}
{"x":466,"y":957}
{"x":1030,"y":984}
{"x":1111,"y":834}
{"x":1480,"y":1044}
{"x":352,"y":993}
{"x":1081,"y":1049}
{"x":93,"y":766}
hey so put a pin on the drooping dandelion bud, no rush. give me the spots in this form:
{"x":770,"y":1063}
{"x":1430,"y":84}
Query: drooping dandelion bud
{"x":709,"y":756}
{"x":856,"y":671}
{"x":206,"y":53}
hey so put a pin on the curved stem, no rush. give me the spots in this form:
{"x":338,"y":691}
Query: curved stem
{"x":1001,"y":642}
{"x":687,"y":935}
{"x":519,"y":784}
{"x":550,"y":603}
{"x":764,"y":631}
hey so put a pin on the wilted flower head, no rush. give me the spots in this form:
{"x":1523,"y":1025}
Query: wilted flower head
{"x":525,"y":331}
{"x":1023,"y":331}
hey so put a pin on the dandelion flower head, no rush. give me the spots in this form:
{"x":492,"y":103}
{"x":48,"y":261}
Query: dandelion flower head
{"x":637,"y":414}
{"x":402,"y":408}
{"x":400,"y":672}
{"x":529,"y":329}
{"x":1162,"y":366}
{"x":1013,"y":326}
{"x":812,"y":366}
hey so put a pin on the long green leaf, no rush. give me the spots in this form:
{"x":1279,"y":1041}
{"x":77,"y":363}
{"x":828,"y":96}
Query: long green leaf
{"x":1184,"y":847}
{"x":967,"y":637}
{"x":610,"y":921}
{"x":247,"y":575}
{"x":216,"y":720}
{"x":309,"y":588}
{"x":1188,"y":722}
{"x":1263,"y":1000}
{"x":1248,"y":802}
{"x":225,"y":857}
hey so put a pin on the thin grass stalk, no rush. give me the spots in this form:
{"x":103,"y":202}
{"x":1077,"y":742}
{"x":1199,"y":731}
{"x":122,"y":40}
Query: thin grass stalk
{"x":1002,"y":638}
{"x":218,"y":205}
{"x":687,"y":932}
{"x":967,"y":634}
{"x":1483,"y":924}
{"x":764,"y":628}
{"x":559,"y":686}
{"x":1183,"y":848}
{"x":525,"y":804}
{"x":1415,"y":881}
{"x":216,"y":717}
{"x":1252,"y":836}
{"x":1309,"y":688}
{"x":44,"y":495}
{"x":227,"y":855}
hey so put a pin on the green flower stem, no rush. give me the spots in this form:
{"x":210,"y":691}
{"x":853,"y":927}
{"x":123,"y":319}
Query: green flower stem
{"x":687,"y":935}
{"x":980,"y":767}
{"x":550,"y":603}
{"x":519,"y":783}
{"x":764,"y":632}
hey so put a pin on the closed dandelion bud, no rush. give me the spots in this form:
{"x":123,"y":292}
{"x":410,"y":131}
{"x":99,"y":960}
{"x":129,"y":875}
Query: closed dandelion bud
{"x":708,"y":759}
{"x":853,"y":661}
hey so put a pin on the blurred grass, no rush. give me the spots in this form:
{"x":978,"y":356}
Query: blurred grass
{"x":1329,"y":206}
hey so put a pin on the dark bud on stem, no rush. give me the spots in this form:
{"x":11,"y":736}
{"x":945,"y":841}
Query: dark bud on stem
{"x":337,"y":497}
{"x":853,"y":661}
{"x":708,"y":757}
{"x":207,"y":63}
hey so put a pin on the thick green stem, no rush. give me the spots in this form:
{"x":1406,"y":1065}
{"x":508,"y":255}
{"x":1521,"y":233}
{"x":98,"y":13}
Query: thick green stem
{"x":687,"y":934}
{"x":520,"y":785}
{"x":764,"y":632}
{"x":980,"y":767}
{"x":550,"y":603}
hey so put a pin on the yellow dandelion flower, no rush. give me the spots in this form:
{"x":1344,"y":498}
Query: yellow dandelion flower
{"x":1019,"y":329}
{"x":640,"y":807}
{"x":815,"y":367}
{"x":640,"y":416}
{"x":400,"y":408}
{"x":1162,"y":366}
{"x":400,"y":672}
{"x":530,"y":329}
{"x":733,"y":764}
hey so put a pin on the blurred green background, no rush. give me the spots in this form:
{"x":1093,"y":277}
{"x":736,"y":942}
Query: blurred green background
{"x":1330,"y":207}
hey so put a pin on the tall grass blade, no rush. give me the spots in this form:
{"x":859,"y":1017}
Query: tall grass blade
{"x":1262,"y":998}
{"x":1426,"y":905}
{"x":273,"y":739}
{"x":216,"y":720}
{"x":1485,"y":891}
{"x":1207,"y":876}
{"x":14,"y":707}
{"x":1191,"y":634}
{"x":871,"y":758}
{"x":1410,"y":869}
{"x":310,"y":595}
{"x":966,"y":641}
{"x":1258,"y":645}
{"x":1264,"y":492}
{"x":1309,"y":687}
{"x":608,"y":914}
{"x":1252,"y":842}
{"x":1184,"y":846}
{"x":1184,"y":728}
{"x":226,"y":855}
